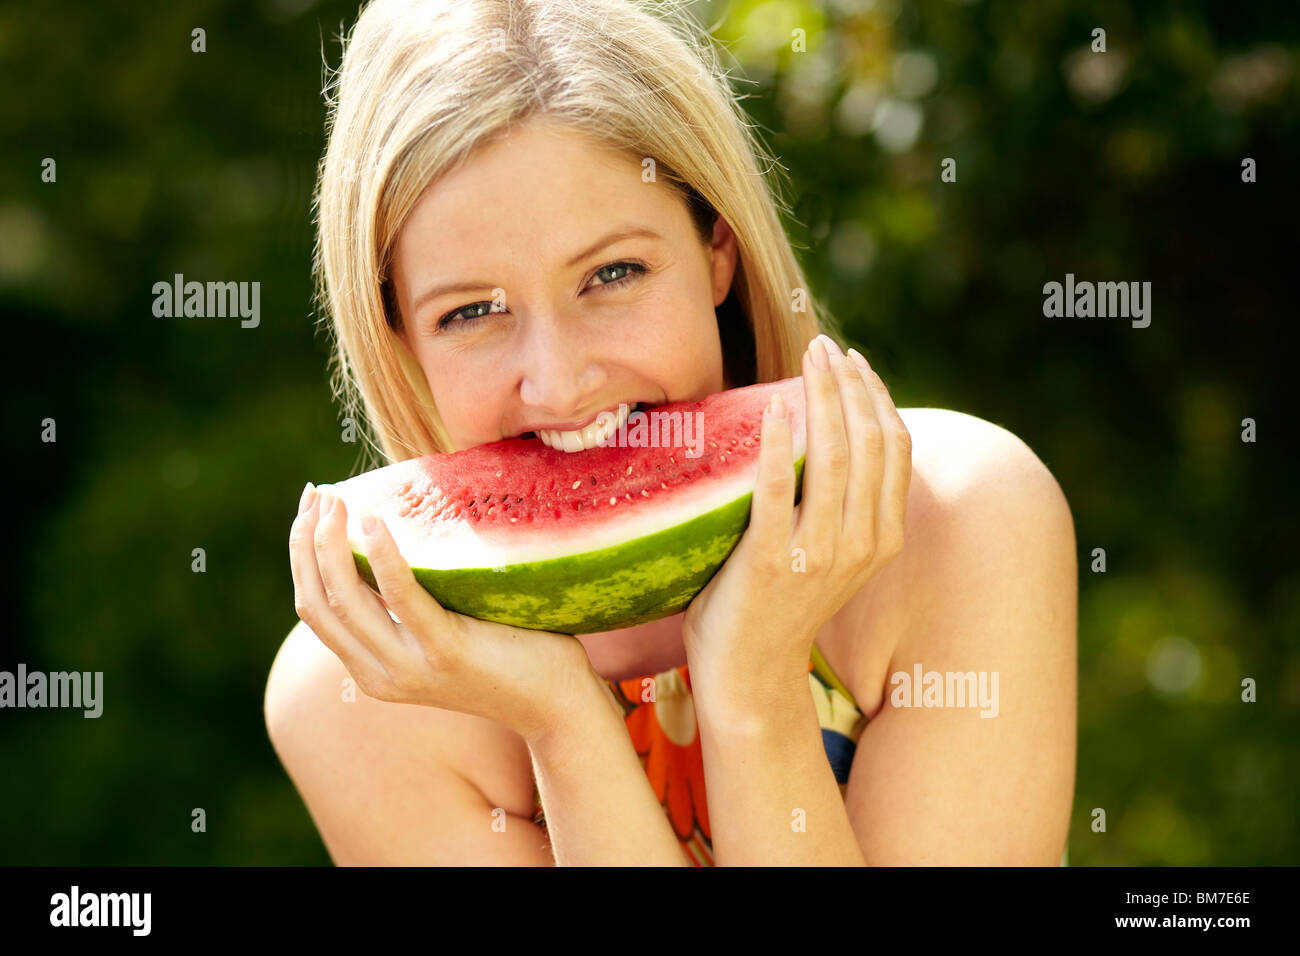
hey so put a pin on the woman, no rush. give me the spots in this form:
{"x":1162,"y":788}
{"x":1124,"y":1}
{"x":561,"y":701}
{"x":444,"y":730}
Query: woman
{"x":529,"y":213}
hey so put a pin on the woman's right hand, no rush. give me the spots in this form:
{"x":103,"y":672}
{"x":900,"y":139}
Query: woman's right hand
{"x":422,"y":653}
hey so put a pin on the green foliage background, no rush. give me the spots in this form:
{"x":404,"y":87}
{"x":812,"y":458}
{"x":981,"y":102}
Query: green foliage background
{"x":176,"y":434}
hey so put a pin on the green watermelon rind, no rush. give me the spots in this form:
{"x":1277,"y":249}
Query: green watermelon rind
{"x":648,"y":578}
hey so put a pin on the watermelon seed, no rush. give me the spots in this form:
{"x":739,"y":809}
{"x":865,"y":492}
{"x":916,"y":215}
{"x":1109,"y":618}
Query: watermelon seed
{"x":672,"y":459}
{"x":577,"y":506}
{"x":513,"y":520}
{"x":577,"y":485}
{"x":629,"y":469}
{"x":663,"y":486}
{"x":593,"y":479}
{"x":733,"y":441}
{"x":628,"y":497}
{"x":498,"y":474}
{"x":613,"y":501}
{"x":492,"y":509}
{"x":713,"y":444}
{"x":644,"y":493}
{"x":748,"y":443}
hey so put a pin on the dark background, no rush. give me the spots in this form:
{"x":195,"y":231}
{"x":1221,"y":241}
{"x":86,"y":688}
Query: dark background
{"x":182,"y":433}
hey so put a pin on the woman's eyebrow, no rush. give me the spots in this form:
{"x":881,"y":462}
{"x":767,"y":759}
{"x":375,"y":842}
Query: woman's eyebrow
{"x":469,"y":285}
{"x":623,"y":232}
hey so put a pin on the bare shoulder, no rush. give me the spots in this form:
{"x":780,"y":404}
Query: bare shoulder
{"x":982,"y":506}
{"x":310,"y":700}
{"x":959,"y":455}
{"x":984,"y":514}
{"x":332,"y":736}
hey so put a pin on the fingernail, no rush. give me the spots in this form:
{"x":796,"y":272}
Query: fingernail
{"x":776,"y":407}
{"x":831,"y":347}
{"x":858,"y":359}
{"x":308,"y":496}
{"x":367,"y":523}
{"x":817,"y":352}
{"x":326,"y":502}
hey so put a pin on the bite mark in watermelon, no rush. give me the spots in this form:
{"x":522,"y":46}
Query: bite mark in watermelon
{"x":576,"y":542}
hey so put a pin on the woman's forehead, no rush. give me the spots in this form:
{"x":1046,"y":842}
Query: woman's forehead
{"x":543,"y":191}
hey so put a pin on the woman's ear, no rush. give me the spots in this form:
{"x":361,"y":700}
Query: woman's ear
{"x":723,"y":254}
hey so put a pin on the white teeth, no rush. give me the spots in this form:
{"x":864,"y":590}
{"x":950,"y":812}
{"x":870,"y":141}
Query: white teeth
{"x":591,"y":436}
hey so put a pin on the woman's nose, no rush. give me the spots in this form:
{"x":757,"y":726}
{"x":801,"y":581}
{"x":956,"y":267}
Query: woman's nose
{"x":560,"y":371}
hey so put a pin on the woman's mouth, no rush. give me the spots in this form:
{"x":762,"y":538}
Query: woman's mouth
{"x":606,"y":424}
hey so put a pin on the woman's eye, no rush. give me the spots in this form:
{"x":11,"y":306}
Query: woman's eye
{"x":459,"y":318}
{"x":633,"y":269}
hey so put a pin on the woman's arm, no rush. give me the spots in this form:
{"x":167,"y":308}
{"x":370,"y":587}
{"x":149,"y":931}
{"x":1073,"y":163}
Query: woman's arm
{"x":599,"y":805}
{"x":773,"y":798}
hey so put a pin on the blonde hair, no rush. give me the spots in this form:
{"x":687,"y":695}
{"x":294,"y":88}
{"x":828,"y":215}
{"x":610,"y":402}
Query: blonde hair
{"x":422,"y":83}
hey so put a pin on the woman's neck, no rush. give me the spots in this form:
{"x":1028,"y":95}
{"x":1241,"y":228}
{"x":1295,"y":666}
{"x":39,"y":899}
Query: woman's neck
{"x":637,"y":651}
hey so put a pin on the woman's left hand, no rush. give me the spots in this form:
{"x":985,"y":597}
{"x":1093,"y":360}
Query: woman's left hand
{"x":752,"y":628}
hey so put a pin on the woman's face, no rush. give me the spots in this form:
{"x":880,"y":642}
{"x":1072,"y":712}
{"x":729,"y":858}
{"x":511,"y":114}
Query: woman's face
{"x":526,"y":311}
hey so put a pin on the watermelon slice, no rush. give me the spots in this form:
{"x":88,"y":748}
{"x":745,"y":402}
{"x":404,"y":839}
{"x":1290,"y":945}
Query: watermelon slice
{"x":580,"y":542}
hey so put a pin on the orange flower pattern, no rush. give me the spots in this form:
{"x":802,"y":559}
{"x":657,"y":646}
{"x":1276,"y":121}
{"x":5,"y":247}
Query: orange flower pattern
{"x":665,"y":735}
